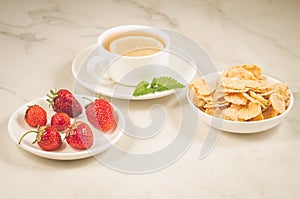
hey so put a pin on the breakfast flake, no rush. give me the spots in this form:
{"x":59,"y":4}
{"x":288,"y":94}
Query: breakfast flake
{"x":201,"y":86}
{"x":233,"y":83}
{"x":231,"y":113}
{"x":240,"y":93}
{"x":258,"y":117}
{"x":249,"y":111}
{"x":269,"y":113}
{"x":259,"y":98}
{"x":277,"y":102}
{"x":236,"y":98}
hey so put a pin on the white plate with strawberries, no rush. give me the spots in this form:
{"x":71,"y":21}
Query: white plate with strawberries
{"x":101,"y":140}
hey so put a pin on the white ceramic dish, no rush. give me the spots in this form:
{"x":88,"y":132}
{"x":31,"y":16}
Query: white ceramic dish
{"x":112,"y":89}
{"x":241,"y":127}
{"x":17,"y":127}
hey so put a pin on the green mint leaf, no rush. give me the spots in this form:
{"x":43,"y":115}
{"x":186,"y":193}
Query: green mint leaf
{"x":160,"y":88}
{"x":168,"y":82}
{"x":143,"y":89}
{"x":158,"y":84}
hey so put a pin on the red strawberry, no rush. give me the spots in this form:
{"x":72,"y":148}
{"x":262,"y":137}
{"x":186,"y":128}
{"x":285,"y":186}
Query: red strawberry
{"x":100,"y":114}
{"x":64,"y":101}
{"x":60,"y":121}
{"x":80,"y":135}
{"x":35,"y":116}
{"x":48,"y":138}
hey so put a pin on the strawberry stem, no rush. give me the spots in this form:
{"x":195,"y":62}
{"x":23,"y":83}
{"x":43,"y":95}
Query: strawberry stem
{"x":52,"y":92}
{"x":99,"y":95}
{"x":27,"y":134}
{"x":88,"y":99}
{"x":51,"y":97}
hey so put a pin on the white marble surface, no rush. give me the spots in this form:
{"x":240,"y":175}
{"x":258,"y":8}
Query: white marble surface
{"x":40,"y":38}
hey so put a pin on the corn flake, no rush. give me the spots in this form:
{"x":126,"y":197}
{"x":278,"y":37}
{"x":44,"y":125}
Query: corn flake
{"x":233,"y":83}
{"x":236,"y":98}
{"x":231,"y":113}
{"x":269,"y":113}
{"x":250,"y":111}
{"x":254,"y":69}
{"x":277,"y":102}
{"x":258,"y":117}
{"x":259,"y":98}
{"x":201,"y":86}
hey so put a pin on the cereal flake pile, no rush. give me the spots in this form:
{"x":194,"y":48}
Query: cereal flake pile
{"x":240,"y":93}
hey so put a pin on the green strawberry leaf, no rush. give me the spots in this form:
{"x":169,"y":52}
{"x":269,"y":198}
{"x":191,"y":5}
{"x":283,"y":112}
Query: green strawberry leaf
{"x":158,"y":84}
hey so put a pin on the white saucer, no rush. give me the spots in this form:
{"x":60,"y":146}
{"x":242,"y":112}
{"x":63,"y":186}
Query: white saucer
{"x":104,"y":86}
{"x":17,"y":127}
{"x":185,"y":59}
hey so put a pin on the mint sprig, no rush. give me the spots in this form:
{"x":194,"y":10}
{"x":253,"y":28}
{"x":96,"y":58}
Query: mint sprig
{"x":158,"y":84}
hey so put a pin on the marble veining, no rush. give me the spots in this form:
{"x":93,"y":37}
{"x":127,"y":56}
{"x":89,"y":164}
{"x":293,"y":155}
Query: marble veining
{"x":5,"y":89}
{"x":19,"y":32}
{"x":51,"y":16}
{"x":40,"y":38}
{"x":151,"y":14}
{"x":275,"y":42}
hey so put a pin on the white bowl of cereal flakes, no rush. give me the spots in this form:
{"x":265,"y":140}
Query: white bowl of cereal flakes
{"x":241,"y":98}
